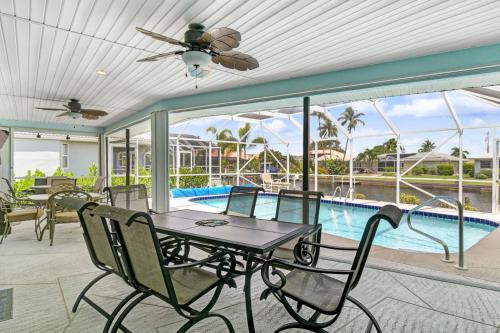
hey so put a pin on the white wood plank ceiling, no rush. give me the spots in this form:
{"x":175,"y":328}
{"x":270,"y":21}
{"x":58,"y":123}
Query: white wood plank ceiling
{"x":50,"y":50}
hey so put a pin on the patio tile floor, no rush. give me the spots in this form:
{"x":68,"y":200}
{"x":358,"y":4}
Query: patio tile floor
{"x":46,"y":281}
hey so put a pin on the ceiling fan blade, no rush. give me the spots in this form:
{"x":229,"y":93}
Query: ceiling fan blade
{"x":89,"y":116}
{"x":64,"y":114}
{"x":236,"y":60}
{"x":161,"y":37}
{"x":221,"y":39}
{"x":93,"y":112}
{"x":160,"y":56}
{"x":51,"y":109}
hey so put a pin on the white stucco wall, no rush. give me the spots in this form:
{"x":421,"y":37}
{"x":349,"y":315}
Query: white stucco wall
{"x":45,"y":155}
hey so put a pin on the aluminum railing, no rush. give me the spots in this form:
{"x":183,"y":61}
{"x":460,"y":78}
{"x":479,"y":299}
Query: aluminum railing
{"x":456,"y":204}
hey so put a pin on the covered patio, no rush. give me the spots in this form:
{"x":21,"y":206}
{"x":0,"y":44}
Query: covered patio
{"x":188,"y":133}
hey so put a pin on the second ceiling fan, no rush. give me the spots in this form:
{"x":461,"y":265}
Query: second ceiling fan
{"x":203,"y":47}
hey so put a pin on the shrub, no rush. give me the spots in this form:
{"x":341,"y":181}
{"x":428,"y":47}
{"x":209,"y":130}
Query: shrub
{"x":359,"y":196}
{"x":389,"y":174}
{"x":468,"y":169}
{"x":322,"y":170}
{"x":336,"y":167}
{"x":409,"y":199}
{"x":481,"y":176}
{"x":389,"y":169}
{"x":445,"y":170}
{"x":486,"y":172}
{"x":468,"y":206}
{"x":418,"y":170}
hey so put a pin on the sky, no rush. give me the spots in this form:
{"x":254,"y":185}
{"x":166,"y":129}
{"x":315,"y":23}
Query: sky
{"x":408,"y":113}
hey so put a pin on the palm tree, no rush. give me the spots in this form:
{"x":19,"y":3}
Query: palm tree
{"x":243,"y":134}
{"x":455,"y":151}
{"x":391,"y":145}
{"x":327,"y":129}
{"x":427,"y":146}
{"x":223,"y":135}
{"x":352,"y":119}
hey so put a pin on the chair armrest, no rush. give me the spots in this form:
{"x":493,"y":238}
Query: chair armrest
{"x":332,"y":247}
{"x":275,"y":265}
{"x":152,"y":211}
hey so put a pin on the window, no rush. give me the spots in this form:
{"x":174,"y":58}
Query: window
{"x":486,"y":164}
{"x":65,"y":156}
{"x":147,"y":160}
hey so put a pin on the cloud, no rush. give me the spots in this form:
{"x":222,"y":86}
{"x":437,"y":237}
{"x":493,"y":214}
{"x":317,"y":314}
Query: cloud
{"x":478,"y":122}
{"x":419,"y":107}
{"x":278,"y":125}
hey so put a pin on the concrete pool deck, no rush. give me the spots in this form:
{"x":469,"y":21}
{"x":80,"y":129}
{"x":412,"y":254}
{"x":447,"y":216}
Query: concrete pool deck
{"x":482,"y":259}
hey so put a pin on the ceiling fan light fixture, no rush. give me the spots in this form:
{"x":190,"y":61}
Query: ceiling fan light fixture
{"x":101,"y":72}
{"x":199,"y":72}
{"x":195,"y":59}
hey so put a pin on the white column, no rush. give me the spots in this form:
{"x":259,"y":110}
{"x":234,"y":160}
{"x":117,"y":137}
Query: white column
{"x":494,"y":172}
{"x":461,"y":167}
{"x":137,"y":161}
{"x":210,"y":163}
{"x":159,"y":154}
{"x":178,"y":163}
{"x":238,"y":164}
{"x":398,"y":168}
{"x":102,"y":154}
{"x":351,"y":169}
{"x":315,"y":165}
{"x":288,"y":163}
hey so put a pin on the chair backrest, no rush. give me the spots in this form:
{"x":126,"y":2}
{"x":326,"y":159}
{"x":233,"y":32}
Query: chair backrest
{"x":54,"y":202}
{"x":389,"y":213}
{"x":51,"y":178}
{"x":140,"y":248}
{"x":133,"y":197}
{"x":298,"y":206}
{"x":266,"y":178}
{"x":99,"y":184}
{"x":41,"y":181}
{"x":242,"y":200}
{"x":59,"y":184}
{"x":12,"y":191}
{"x":96,"y":234}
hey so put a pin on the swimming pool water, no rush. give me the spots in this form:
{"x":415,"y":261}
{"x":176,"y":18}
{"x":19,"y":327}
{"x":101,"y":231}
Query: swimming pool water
{"x":349,"y":222}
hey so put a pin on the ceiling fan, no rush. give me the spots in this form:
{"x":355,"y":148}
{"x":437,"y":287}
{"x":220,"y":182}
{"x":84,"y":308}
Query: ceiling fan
{"x":74,"y":110}
{"x":203,"y":47}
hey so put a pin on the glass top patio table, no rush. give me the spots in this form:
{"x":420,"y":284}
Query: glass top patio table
{"x":241,"y":233}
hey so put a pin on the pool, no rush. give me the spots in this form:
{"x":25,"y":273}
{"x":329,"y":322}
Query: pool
{"x":349,"y":221}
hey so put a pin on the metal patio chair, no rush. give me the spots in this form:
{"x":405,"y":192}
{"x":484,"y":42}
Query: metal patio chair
{"x":298,"y":207}
{"x":242,"y":201}
{"x":18,"y":197}
{"x":12,"y":214}
{"x":57,"y":213}
{"x":101,"y":246}
{"x":268,"y":182}
{"x":316,"y":288}
{"x":179,"y":285}
{"x":134,"y":197}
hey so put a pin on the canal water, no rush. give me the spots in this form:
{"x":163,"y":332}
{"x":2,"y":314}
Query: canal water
{"x":479,"y":199}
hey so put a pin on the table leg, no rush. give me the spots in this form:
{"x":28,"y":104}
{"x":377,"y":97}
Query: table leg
{"x":248,"y":293}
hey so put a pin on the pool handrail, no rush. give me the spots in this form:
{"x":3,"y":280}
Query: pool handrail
{"x":455,"y":203}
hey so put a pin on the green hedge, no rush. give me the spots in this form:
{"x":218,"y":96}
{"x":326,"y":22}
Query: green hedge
{"x":445,"y":170}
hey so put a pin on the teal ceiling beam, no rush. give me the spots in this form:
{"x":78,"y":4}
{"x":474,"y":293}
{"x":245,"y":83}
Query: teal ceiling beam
{"x":437,"y":67}
{"x":52,"y":127}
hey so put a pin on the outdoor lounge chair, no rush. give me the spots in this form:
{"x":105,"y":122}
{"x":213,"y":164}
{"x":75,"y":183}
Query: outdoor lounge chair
{"x":268,"y":182}
{"x":134,"y":197}
{"x":179,"y":285}
{"x":57,"y":214}
{"x":298,"y":207}
{"x":242,"y":200}
{"x":11,"y":214}
{"x":316,"y":288}
{"x":102,"y":250}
